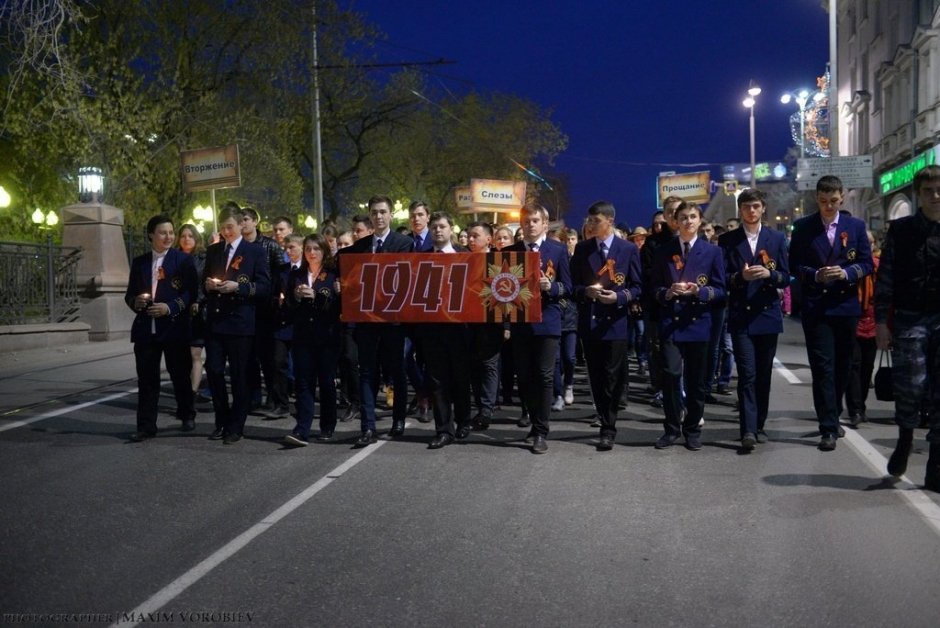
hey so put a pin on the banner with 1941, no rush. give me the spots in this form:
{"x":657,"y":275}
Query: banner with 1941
{"x":441,"y":288}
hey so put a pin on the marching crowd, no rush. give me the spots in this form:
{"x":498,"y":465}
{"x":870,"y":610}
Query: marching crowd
{"x":682,"y":296}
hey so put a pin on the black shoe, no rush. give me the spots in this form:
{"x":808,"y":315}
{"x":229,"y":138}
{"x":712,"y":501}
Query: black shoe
{"x":278,"y":412}
{"x":665,"y":441}
{"x":294,"y":440}
{"x":463,"y":431}
{"x":596,"y":422}
{"x":657,"y":401}
{"x":441,"y":440}
{"x":201,"y":403}
{"x":710,"y":398}
{"x":897,"y":463}
{"x":748,"y":442}
{"x":841,"y":432}
{"x":762,"y":437}
{"x":481,"y":423}
{"x":539,"y":446}
{"x":693,"y":442}
{"x":854,"y":420}
{"x":398,"y":429}
{"x":139,"y":437}
{"x":217,"y":434}
{"x":366,"y":438}
{"x":723,"y":389}
{"x":641,"y":370}
{"x":529,"y":438}
{"x":324,"y":437}
{"x":606,"y":443}
{"x":231,"y":439}
{"x":524,"y":420}
{"x":424,"y":414}
{"x":188,"y":425}
{"x":261,"y":409}
{"x":351,"y":413}
{"x":828,"y":442}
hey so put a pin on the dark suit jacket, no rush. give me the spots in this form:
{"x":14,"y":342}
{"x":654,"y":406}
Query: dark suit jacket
{"x":598,"y":321}
{"x":554,"y":262}
{"x":426,"y":245}
{"x":394,"y":243}
{"x":688,"y":319}
{"x":177,"y":289}
{"x":810,"y":251}
{"x":234,"y":313}
{"x":754,"y":306}
{"x":316,"y":320}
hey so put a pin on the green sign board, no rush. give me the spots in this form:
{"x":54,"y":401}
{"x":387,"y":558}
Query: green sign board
{"x":903,"y":175}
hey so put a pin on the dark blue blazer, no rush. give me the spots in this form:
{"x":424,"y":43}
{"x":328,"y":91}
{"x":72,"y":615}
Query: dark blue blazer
{"x":177,"y":289}
{"x":234,"y":314}
{"x":554,"y":262}
{"x":426,"y":245}
{"x":315,"y":321}
{"x":754,"y":306}
{"x":810,"y":251}
{"x":688,"y":319}
{"x":394,"y":243}
{"x":283,"y":329}
{"x":599,"y":321}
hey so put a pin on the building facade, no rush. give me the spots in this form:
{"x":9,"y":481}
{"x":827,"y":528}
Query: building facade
{"x":888,"y":98}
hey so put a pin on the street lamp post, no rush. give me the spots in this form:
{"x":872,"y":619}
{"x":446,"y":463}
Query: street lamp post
{"x":802,"y":99}
{"x":750,"y":102}
{"x":46,"y":222}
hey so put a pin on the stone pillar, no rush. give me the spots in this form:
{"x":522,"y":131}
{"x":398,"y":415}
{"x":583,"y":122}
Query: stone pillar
{"x":103,"y":270}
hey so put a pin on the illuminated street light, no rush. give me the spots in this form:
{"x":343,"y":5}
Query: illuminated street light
{"x":310,"y":222}
{"x":802,"y":99}
{"x":4,"y":198}
{"x":750,"y":102}
{"x":90,"y":185}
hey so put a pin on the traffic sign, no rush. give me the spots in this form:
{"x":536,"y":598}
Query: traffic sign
{"x":854,"y":170}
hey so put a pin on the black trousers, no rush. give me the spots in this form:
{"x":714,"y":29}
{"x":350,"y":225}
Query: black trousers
{"x":534,"y":358}
{"x":830,"y":342}
{"x":607,"y":370}
{"x":446,"y":349}
{"x":178,"y":364}
{"x":863,"y":365}
{"x":381,"y":343}
{"x":684,"y":362}
{"x":349,"y":365}
{"x":237,"y":351}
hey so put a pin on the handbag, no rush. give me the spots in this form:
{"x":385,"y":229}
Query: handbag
{"x":884,"y":380}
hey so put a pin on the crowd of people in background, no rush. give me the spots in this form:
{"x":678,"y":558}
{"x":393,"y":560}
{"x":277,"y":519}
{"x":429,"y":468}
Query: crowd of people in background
{"x":682,"y":302}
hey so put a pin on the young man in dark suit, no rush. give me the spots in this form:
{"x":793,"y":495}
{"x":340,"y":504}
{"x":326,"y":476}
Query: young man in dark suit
{"x":446,"y":347}
{"x":756,"y":268}
{"x":536,"y":344}
{"x":383,"y":342}
{"x":161,"y":287}
{"x":688,"y":276}
{"x":237,"y":276}
{"x":605,"y":271}
{"x":829,"y":254}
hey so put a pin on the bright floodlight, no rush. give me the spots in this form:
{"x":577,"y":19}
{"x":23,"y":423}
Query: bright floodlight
{"x":748,"y":102}
{"x":785,"y":99}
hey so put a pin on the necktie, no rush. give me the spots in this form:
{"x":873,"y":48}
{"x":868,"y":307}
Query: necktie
{"x":378,"y":245}
{"x":603,"y":249}
{"x":418,"y":243}
{"x":534,"y":247}
{"x":685,"y":250}
{"x":228,"y":254}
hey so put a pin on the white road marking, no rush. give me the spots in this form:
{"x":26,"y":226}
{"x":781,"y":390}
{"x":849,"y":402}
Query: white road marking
{"x":168,"y":593}
{"x":785,"y":372}
{"x":918,"y":500}
{"x":65,"y":410}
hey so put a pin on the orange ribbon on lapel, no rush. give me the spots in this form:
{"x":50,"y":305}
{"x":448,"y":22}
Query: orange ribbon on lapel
{"x":608,"y":268}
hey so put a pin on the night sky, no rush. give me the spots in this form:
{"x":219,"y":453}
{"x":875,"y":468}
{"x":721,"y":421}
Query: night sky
{"x":638,"y":86}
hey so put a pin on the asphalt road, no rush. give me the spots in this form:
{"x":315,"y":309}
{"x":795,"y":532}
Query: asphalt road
{"x":179,"y":529}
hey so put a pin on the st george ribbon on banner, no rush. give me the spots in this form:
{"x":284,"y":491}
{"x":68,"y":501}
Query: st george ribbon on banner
{"x":437,"y":288}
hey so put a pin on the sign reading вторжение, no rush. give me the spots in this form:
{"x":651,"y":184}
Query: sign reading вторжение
{"x":210,"y":168}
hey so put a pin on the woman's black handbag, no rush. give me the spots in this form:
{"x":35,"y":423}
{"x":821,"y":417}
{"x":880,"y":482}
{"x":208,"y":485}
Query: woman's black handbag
{"x":884,"y":379}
